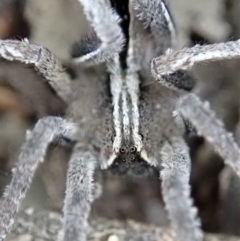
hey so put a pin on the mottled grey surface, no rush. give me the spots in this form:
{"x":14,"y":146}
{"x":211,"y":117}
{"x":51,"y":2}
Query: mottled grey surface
{"x":34,"y":225}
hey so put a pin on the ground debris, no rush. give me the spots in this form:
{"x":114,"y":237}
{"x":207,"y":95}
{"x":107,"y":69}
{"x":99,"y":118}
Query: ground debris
{"x":31,"y":225}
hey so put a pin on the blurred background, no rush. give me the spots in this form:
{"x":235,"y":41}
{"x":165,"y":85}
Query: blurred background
{"x":24,"y":98}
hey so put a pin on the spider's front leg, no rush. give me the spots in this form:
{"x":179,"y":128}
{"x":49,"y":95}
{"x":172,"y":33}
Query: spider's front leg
{"x":32,"y":153}
{"x":107,"y":41}
{"x":173,"y":62}
{"x":175,"y":175}
{"x":156,"y":18}
{"x":44,"y":62}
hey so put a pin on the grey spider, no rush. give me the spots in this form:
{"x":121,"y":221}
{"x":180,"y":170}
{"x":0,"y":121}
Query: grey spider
{"x":116,"y":118}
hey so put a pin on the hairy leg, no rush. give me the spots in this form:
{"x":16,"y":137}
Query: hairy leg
{"x":43,"y":61}
{"x":174,"y":61}
{"x":175,"y":175}
{"x":78,"y":199}
{"x":107,"y":41}
{"x":32,"y":153}
{"x":207,"y":125}
{"x":148,"y":16}
{"x":31,"y":87}
{"x":143,"y":18}
{"x":156,"y":16}
{"x":180,"y":81}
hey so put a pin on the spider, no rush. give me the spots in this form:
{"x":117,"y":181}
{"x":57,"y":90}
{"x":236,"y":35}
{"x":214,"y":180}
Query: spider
{"x":117,"y":119}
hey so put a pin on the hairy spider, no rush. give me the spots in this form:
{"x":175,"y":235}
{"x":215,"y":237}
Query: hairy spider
{"x":117,"y":118}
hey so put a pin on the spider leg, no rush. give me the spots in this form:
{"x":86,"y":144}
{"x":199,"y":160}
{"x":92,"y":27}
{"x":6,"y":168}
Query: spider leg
{"x":156,"y":16}
{"x":78,"y":199}
{"x":180,"y":80}
{"x":107,"y":41}
{"x":43,"y":61}
{"x":176,"y":190}
{"x":207,"y":125}
{"x":173,"y":61}
{"x":32,"y":153}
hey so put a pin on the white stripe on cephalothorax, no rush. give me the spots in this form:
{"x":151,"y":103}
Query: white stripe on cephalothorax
{"x":116,"y":89}
{"x":132,"y":81}
{"x":132,"y":78}
{"x":125,"y":112}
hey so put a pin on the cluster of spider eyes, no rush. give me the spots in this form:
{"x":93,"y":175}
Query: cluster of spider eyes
{"x":132,"y":150}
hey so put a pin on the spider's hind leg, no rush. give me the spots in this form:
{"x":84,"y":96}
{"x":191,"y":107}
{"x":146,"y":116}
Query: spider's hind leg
{"x":207,"y":125}
{"x":32,"y":153}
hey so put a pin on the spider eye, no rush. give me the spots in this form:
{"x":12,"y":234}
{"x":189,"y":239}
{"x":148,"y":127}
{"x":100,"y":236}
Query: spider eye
{"x":122,"y":149}
{"x":133,"y":149}
{"x":133,"y":159}
{"x":141,"y":135}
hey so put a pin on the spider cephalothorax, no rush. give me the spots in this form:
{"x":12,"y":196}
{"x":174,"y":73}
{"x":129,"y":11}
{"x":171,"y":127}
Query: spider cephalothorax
{"x":118,"y":116}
